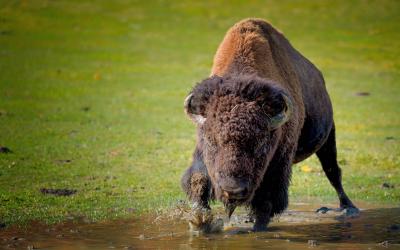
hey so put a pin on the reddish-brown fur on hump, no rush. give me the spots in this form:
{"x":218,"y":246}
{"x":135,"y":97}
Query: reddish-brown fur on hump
{"x":245,"y":44}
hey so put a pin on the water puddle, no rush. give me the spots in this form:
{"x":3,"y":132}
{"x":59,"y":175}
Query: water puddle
{"x":298,"y":228}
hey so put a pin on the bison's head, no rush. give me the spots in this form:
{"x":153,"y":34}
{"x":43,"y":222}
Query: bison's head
{"x":238,"y":119}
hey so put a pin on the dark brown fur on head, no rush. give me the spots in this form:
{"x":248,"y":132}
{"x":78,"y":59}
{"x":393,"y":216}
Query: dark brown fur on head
{"x":236,"y":137}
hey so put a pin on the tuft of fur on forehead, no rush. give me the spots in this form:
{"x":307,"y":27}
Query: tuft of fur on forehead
{"x":232,"y":120}
{"x":238,"y":89}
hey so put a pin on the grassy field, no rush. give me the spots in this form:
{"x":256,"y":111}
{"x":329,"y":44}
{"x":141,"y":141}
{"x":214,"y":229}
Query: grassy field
{"x":91,"y":98}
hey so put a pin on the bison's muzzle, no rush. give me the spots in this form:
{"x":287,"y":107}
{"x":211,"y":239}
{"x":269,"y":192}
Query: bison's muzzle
{"x":234,"y":189}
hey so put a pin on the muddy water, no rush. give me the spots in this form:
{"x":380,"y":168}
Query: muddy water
{"x":298,"y":228}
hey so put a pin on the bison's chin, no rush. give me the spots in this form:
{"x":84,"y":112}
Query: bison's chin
{"x":236,"y":202}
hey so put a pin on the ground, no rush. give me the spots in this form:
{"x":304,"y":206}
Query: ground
{"x":91,"y":99}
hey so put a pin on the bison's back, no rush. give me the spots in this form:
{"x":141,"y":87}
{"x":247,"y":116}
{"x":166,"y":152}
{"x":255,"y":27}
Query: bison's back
{"x":318,"y":115}
{"x":318,"y":118}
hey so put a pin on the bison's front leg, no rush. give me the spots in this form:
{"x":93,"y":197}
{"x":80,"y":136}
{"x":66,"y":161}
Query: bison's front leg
{"x":327,"y":155}
{"x":267,"y":204}
{"x":271,"y":198}
{"x":197,"y":185}
{"x":261,"y":214}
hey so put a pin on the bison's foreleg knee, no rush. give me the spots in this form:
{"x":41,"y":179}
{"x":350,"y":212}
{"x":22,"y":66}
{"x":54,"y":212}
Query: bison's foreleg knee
{"x":197,"y":187}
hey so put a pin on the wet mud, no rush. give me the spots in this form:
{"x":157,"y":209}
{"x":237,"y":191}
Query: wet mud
{"x":299,"y":227}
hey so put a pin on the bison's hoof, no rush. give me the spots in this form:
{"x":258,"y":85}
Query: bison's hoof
{"x":346,"y":211}
{"x":200,"y":216}
{"x":215,"y":226}
{"x":323,"y":210}
{"x":351,"y":212}
{"x":260,"y":227}
{"x":201,"y":220}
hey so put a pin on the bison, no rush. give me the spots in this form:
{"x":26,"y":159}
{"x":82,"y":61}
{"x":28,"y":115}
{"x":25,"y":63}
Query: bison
{"x":264,"y":108}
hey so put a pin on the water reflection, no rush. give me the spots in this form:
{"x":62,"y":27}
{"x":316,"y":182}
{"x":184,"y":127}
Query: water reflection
{"x":299,"y":228}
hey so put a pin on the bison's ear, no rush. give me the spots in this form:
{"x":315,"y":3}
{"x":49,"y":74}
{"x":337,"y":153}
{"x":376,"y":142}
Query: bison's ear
{"x":278,"y":108}
{"x":192,"y":110}
{"x":196,"y":101}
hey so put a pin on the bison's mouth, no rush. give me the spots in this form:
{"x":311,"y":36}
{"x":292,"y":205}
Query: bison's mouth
{"x":231,"y":204}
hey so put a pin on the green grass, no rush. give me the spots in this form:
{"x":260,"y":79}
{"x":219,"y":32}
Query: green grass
{"x":101,"y":83}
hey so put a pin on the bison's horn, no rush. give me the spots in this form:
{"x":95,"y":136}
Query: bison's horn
{"x":197,"y":118}
{"x":279,"y":119}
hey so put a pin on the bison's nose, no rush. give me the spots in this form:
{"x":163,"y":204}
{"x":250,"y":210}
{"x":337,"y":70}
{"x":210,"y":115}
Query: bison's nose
{"x":234,"y":189}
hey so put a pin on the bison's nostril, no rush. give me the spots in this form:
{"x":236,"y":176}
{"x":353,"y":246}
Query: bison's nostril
{"x":226,"y":194}
{"x":244,"y":192}
{"x":237,"y":193}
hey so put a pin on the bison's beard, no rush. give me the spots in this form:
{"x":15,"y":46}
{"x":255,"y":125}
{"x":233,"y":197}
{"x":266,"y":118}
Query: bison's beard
{"x":231,"y":204}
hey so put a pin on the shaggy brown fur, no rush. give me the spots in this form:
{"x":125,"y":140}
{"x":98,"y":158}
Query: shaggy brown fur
{"x":246,"y":145}
{"x":198,"y":185}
